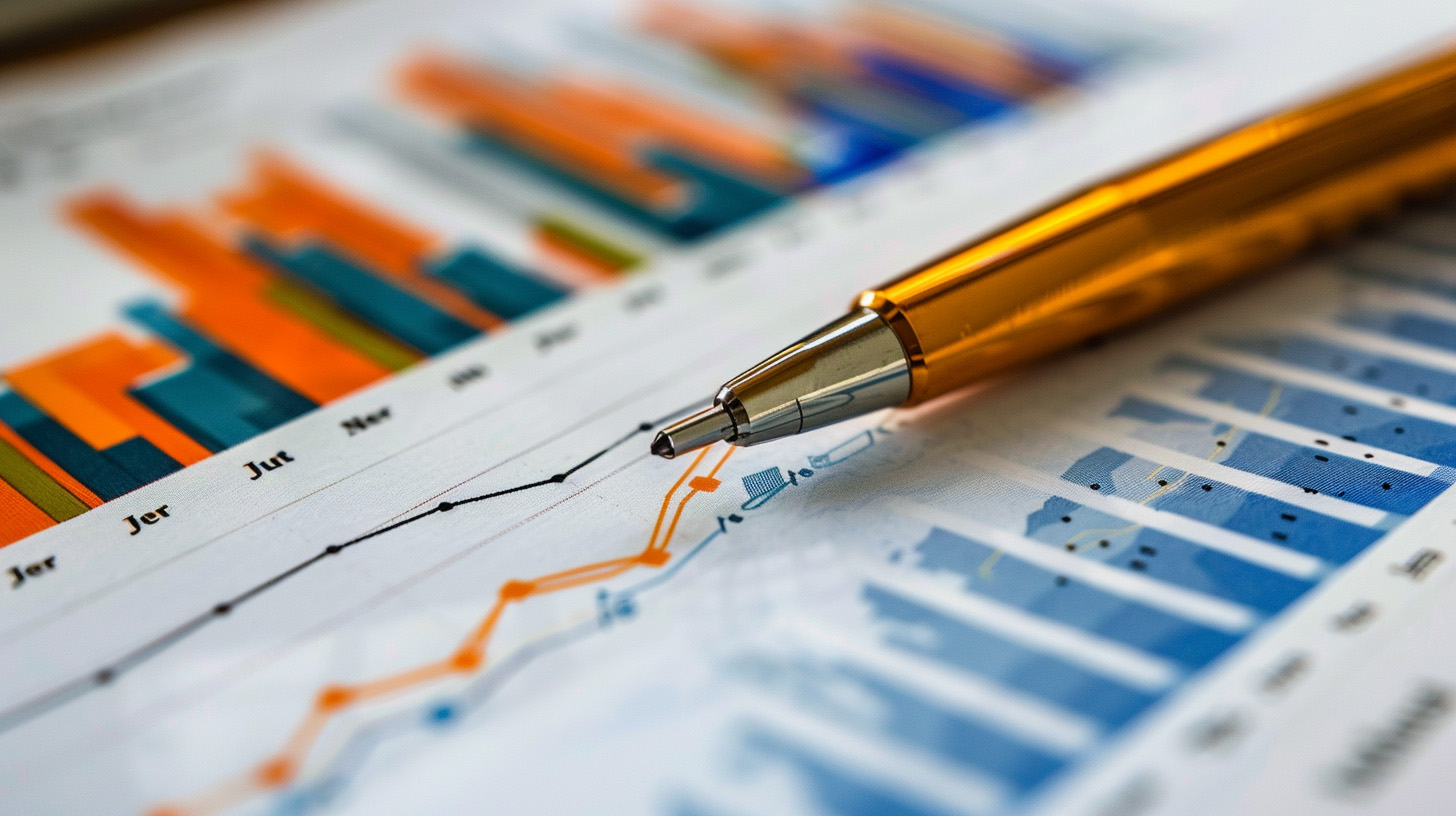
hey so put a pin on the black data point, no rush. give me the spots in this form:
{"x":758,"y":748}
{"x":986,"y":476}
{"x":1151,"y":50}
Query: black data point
{"x":559,"y":478}
{"x":105,"y":676}
{"x":333,"y":549}
{"x":222,"y":609}
{"x":443,"y":506}
{"x":644,"y":427}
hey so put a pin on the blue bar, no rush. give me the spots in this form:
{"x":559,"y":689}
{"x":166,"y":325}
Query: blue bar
{"x":1221,"y":505}
{"x":1337,"y":416}
{"x":1126,"y":545}
{"x":1367,"y":368}
{"x":719,"y":198}
{"x":995,"y":574}
{"x":904,"y":717}
{"x":1417,"y":328}
{"x":836,"y":790}
{"x":915,"y":628}
{"x":219,"y":400}
{"x":878,"y":115}
{"x":1354,"y":480}
{"x":375,"y":300}
{"x":839,"y":153}
{"x":972,"y":101}
{"x":142,"y":459}
{"x":90,"y":467}
{"x":494,"y":285}
{"x":716,"y":199}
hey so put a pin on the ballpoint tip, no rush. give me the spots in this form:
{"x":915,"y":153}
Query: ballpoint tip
{"x":690,"y":433}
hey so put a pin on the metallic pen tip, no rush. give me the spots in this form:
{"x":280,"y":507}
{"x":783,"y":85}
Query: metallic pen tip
{"x":690,"y":433}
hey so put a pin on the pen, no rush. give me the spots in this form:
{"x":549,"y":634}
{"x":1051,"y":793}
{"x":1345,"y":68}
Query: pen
{"x":1116,"y":252}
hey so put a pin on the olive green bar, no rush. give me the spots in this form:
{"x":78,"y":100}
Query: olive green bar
{"x":343,"y":327}
{"x":608,"y":252}
{"x":37,"y":486}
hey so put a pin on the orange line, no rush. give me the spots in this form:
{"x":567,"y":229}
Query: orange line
{"x":666,"y":500}
{"x":283,"y":766}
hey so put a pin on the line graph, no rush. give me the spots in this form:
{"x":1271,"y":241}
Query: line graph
{"x":468,"y":658}
{"x":107,"y":674}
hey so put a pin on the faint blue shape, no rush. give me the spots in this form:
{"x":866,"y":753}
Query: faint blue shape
{"x":856,"y":444}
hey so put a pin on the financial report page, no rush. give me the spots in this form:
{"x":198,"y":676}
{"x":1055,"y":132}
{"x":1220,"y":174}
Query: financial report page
{"x":333,"y":336}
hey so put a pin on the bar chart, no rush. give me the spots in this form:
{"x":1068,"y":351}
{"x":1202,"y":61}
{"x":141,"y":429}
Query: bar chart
{"x":683,"y":125}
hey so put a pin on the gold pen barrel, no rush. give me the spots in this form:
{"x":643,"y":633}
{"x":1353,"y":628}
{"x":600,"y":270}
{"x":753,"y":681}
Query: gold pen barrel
{"x":1125,"y":249}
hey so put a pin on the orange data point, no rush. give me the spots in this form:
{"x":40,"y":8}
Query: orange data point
{"x":165,"y":811}
{"x":704,"y":484}
{"x":334,"y":697}
{"x":516,"y":590}
{"x":467,"y":660}
{"x":654,"y":558}
{"x":276,"y":772}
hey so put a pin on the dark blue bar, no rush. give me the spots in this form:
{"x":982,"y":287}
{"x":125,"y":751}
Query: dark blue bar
{"x":377,"y":301}
{"x":972,"y":101}
{"x":915,"y":628}
{"x":994,"y":574}
{"x":1222,"y":505}
{"x":90,"y":467}
{"x":219,"y":399}
{"x":142,"y":459}
{"x":496,"y":286}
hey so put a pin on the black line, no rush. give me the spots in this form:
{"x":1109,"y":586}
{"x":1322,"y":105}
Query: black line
{"x":64,"y":693}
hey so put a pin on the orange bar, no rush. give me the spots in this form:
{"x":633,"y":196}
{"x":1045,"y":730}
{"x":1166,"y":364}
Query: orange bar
{"x":84,"y":388}
{"x":520,"y":114}
{"x":18,"y":517}
{"x":51,"y":469}
{"x":656,"y":119}
{"x":225,"y":299}
{"x":285,"y":201}
{"x":289,"y":204}
{"x":770,"y":51}
{"x":976,"y":56}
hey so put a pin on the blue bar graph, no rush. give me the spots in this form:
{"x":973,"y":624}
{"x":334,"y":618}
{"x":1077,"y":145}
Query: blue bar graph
{"x":1117,"y":542}
{"x":912,"y":627}
{"x":1417,"y":328}
{"x":1220,"y":504}
{"x":1337,"y":416}
{"x":852,"y":696}
{"x":1354,"y":480}
{"x":1367,"y":368}
{"x":995,"y":574}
